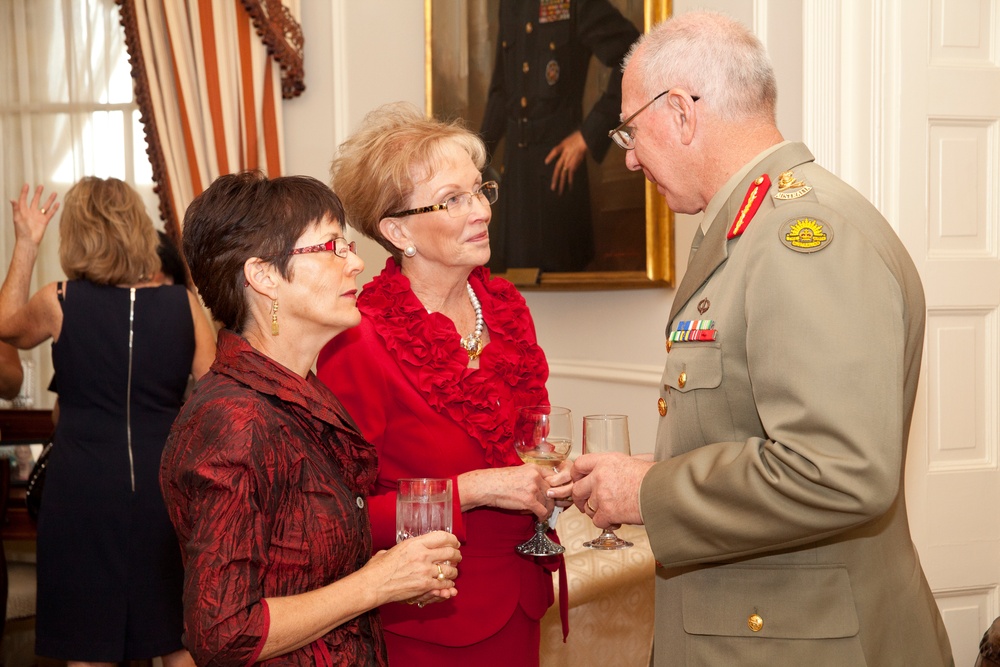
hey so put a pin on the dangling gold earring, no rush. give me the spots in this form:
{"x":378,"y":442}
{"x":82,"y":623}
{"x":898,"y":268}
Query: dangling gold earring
{"x":274,"y":317}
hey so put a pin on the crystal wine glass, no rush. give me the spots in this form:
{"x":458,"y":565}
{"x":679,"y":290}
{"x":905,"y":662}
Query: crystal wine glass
{"x":543,"y":435}
{"x":606,"y":433}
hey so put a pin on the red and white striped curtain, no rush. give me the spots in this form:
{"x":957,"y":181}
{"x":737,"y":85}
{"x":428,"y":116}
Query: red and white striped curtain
{"x":209,"y":79}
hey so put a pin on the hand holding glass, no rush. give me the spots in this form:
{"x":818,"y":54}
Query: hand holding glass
{"x":606,"y":433}
{"x":543,"y":435}
{"x":422,"y":506}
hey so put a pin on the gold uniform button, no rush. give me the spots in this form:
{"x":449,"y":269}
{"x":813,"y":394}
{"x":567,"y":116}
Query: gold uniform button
{"x":670,"y":344}
{"x":661,"y":405}
{"x":755,"y":622}
{"x":524,"y":67}
{"x":528,"y":27}
{"x":552,"y":46}
{"x":524,"y":102}
{"x":682,"y":379}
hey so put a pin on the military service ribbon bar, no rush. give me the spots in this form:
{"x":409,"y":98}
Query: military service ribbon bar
{"x":550,"y":11}
{"x":694,"y":330}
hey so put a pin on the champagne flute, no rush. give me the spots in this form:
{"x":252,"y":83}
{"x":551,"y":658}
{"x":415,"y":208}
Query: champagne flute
{"x":543,"y":435}
{"x":606,"y":433}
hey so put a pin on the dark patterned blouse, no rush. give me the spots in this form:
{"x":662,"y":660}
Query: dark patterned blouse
{"x":264,"y":476}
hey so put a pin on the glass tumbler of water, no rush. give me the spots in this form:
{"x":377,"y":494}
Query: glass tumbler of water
{"x":423,"y":505}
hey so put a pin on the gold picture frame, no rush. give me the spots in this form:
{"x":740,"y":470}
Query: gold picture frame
{"x":458,"y":65}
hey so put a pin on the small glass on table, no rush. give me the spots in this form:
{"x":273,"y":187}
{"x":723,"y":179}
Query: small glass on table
{"x":606,"y":433}
{"x":543,"y":436}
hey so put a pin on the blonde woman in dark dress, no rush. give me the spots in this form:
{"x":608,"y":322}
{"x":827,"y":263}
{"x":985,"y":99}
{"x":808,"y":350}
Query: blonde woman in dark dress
{"x":109,"y":570}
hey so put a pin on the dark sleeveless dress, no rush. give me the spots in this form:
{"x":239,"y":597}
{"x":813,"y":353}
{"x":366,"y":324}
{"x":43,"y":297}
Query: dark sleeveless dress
{"x":110,"y":578}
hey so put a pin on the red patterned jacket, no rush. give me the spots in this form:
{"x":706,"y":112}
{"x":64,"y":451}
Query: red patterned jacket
{"x":264,"y":476}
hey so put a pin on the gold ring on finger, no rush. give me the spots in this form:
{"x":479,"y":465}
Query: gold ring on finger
{"x":591,"y":507}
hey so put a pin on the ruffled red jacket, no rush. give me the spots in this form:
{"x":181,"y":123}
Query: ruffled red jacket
{"x":404,"y":378}
{"x":264,"y":476}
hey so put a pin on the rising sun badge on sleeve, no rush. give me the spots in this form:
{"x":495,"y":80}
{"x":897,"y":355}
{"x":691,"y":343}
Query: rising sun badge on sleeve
{"x":806,"y":235}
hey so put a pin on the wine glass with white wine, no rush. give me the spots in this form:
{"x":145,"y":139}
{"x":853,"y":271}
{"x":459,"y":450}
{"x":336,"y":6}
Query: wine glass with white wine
{"x":543,"y":436}
{"x":606,"y":433}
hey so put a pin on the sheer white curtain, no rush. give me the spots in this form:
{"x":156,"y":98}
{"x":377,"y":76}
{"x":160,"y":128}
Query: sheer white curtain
{"x":66,"y":111}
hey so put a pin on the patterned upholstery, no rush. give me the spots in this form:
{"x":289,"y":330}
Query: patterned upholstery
{"x":610,"y":600}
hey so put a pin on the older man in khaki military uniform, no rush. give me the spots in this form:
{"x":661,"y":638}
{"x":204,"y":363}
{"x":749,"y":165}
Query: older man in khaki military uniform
{"x":775,"y":506}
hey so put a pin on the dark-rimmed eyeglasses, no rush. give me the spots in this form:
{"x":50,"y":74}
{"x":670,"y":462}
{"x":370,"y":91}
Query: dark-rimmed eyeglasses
{"x":338,"y":245}
{"x":624,"y":135}
{"x":458,"y":204}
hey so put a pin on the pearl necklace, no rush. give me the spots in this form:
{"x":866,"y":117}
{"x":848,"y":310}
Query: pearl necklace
{"x":473,"y":343}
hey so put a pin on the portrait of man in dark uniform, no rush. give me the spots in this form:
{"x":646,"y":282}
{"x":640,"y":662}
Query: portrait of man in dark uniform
{"x":543,"y":218}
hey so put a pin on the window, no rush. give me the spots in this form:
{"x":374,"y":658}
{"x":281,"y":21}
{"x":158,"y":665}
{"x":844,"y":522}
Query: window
{"x":66,"y":111}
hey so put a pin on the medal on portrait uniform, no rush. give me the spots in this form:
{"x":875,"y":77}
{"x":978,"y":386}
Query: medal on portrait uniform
{"x":550,"y":11}
{"x":552,"y":72}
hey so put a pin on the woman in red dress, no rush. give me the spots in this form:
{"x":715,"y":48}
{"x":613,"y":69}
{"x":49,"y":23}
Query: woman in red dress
{"x":443,"y":358}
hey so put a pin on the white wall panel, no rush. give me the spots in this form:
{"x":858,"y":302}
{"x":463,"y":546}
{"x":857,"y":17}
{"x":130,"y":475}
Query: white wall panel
{"x":961,"y":155}
{"x":609,"y":388}
{"x":961,"y":430}
{"x":961,"y":32}
{"x":965,"y":611}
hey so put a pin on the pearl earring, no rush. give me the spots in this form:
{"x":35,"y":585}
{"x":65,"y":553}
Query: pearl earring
{"x":409,"y":251}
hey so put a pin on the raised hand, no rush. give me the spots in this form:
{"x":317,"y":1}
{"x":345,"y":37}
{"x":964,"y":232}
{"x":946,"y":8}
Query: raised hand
{"x":32,"y":218}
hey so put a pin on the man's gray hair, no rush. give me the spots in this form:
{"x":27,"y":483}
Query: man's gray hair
{"x":713,"y":57}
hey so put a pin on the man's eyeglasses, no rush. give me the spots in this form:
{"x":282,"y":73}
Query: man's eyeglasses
{"x":459,"y":204}
{"x":624,"y":135}
{"x":338,"y":245}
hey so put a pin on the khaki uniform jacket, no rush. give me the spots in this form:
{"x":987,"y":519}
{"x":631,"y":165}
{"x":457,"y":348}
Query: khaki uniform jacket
{"x":776,"y":509}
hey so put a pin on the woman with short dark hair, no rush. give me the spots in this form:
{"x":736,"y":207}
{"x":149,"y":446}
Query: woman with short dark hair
{"x":265,"y":474}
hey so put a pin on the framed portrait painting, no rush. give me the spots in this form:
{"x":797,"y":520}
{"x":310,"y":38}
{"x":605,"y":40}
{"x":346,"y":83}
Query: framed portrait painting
{"x":630,"y":225}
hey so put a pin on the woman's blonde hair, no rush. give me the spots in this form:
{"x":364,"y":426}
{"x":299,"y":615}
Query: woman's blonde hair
{"x":397,"y":147}
{"x":105,"y":234}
